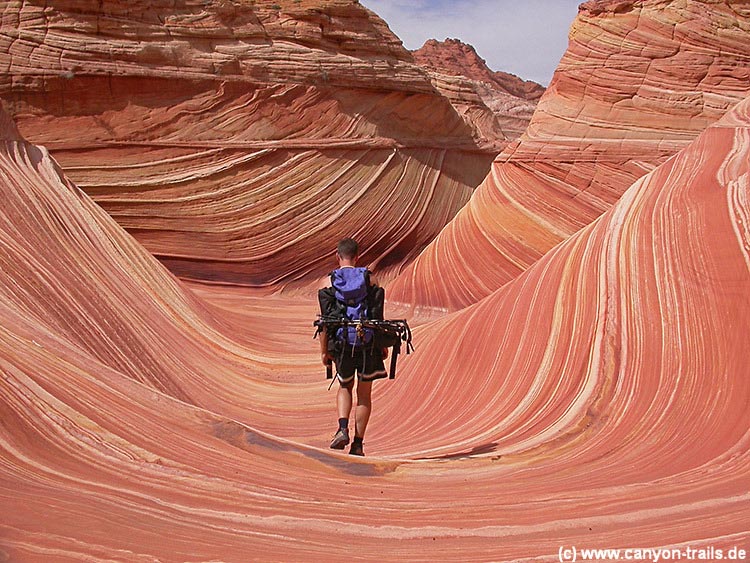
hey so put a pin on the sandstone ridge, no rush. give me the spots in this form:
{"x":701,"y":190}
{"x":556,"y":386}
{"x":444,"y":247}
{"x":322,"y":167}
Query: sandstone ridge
{"x":637,"y":83}
{"x":590,"y":386}
{"x":123,"y":391}
{"x":194,"y":124}
{"x":455,"y":57}
{"x":497,"y":104}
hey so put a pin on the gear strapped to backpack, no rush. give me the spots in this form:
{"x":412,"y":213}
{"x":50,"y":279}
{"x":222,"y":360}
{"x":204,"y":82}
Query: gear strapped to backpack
{"x":351,"y":312}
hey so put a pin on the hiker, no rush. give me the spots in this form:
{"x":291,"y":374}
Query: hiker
{"x":347,"y":347}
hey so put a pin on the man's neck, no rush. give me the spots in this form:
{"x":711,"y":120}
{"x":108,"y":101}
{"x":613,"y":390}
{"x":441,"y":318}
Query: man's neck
{"x":347,"y":264}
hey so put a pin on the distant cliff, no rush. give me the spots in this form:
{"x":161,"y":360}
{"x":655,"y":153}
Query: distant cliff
{"x":456,"y":58}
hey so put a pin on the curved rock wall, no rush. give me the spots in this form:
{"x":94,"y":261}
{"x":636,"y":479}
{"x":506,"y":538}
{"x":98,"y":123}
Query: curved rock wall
{"x":639,"y":80}
{"x":600,"y":399}
{"x":180,"y":119}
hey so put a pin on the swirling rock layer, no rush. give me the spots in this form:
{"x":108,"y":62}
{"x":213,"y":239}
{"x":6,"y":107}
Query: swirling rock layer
{"x":271,"y":216}
{"x":210,"y":130}
{"x":600,"y":399}
{"x":639,"y":81}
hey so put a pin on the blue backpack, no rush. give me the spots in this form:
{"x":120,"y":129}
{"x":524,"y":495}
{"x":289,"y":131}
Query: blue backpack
{"x":350,"y":286}
{"x":352,"y":297}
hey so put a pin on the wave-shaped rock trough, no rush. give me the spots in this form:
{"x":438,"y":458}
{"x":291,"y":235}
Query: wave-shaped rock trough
{"x":257,"y":217}
{"x":598,"y":399}
{"x":638,"y":82}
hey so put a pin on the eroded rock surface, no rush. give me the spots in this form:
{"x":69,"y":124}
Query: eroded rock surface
{"x":639,"y":81}
{"x":231,"y":138}
{"x":454,"y":57}
{"x":597,"y":399}
{"x":463,"y":76}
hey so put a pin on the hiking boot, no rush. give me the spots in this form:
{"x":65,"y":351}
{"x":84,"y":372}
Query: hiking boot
{"x":356,"y":449}
{"x":340,"y":440}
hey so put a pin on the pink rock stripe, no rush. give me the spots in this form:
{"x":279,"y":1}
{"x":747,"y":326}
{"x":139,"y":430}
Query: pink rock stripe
{"x":599,"y":399}
{"x":638,"y":82}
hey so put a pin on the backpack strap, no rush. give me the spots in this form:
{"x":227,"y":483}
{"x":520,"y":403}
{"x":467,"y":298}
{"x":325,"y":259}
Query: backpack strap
{"x":394,"y":356}
{"x":376,"y":302}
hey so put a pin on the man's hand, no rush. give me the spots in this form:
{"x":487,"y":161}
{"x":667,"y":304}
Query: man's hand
{"x":326,"y":358}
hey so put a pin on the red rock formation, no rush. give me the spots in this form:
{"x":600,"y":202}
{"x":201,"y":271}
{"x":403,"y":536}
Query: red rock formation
{"x":498,"y":105}
{"x":599,"y":400}
{"x":625,"y":343}
{"x":639,"y":80}
{"x":196,"y":124}
{"x":455,"y":58}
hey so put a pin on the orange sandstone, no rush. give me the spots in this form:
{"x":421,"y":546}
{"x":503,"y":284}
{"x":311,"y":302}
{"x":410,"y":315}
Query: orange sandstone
{"x":638,"y":82}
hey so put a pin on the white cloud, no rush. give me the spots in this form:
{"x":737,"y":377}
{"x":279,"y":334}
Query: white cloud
{"x":524,"y":37}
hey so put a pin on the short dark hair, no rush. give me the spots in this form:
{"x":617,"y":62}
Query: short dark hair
{"x":348,"y":248}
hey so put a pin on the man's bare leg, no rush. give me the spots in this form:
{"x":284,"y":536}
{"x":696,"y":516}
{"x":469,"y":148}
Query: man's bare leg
{"x":364,"y":406}
{"x":361,"y":416}
{"x":344,"y":407}
{"x":344,"y":399}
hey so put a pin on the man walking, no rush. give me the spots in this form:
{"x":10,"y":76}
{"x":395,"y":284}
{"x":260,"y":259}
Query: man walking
{"x":350,"y":349}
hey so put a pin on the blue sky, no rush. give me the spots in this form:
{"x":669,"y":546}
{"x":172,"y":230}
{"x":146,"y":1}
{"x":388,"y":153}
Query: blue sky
{"x":524,"y":37}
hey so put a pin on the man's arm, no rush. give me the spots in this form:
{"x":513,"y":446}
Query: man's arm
{"x":325,"y":357}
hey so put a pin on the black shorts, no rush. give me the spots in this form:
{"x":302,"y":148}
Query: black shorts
{"x":368,"y":364}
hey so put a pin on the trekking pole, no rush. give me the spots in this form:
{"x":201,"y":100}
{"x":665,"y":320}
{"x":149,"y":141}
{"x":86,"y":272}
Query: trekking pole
{"x":329,"y":374}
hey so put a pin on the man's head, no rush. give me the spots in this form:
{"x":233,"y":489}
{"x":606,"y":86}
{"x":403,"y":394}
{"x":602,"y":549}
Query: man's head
{"x":347,"y":249}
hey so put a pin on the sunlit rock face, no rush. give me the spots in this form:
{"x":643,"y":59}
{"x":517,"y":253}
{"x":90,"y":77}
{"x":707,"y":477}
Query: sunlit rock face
{"x":639,"y":81}
{"x":233,"y":139}
{"x":453,"y":56}
{"x":457,"y":58}
{"x":498,"y":104}
{"x":598,"y":400}
{"x":612,"y":374}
